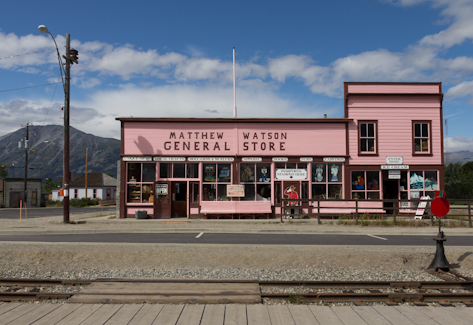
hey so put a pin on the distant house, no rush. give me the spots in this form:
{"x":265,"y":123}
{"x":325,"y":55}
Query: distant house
{"x":12,"y":191}
{"x":99,"y":186}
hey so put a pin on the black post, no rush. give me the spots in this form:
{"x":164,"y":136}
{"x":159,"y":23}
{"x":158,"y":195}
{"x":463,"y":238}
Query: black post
{"x":440,"y":261}
{"x":26,"y":162}
{"x":66,"y":173}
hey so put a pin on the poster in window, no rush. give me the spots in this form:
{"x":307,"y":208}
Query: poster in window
{"x":319,"y":172}
{"x":334,"y":172}
{"x":209,"y":173}
{"x":416,"y":181}
{"x":247,"y":174}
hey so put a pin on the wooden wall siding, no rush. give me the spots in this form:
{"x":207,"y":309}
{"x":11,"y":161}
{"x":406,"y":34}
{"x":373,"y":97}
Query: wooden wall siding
{"x":394,"y":88}
{"x":395,"y":133}
{"x":311,"y":139}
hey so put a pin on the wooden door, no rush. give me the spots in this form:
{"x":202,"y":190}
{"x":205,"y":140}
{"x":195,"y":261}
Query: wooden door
{"x":179,"y":200}
{"x":162,"y":200}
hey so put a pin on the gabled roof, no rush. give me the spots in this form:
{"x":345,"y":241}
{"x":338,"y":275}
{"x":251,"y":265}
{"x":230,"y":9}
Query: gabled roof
{"x":94,"y":180}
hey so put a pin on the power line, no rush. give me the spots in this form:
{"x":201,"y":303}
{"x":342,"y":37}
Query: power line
{"x":13,"y":56}
{"x":54,"y":83}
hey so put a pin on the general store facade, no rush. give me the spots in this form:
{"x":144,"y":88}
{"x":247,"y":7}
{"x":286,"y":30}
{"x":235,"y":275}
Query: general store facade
{"x":388,"y":145}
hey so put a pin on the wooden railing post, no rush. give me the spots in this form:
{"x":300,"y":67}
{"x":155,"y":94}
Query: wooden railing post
{"x":356,"y":212}
{"x":318,"y":211}
{"x":469,"y":214}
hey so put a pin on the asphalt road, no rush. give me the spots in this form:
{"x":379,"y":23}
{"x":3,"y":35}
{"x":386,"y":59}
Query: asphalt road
{"x":49,"y":211}
{"x":246,"y":239}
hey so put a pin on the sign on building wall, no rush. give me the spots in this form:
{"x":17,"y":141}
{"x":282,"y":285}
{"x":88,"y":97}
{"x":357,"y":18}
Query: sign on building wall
{"x":235,"y":190}
{"x":286,"y":174}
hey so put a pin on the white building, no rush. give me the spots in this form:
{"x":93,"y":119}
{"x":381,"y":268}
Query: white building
{"x":99,"y":186}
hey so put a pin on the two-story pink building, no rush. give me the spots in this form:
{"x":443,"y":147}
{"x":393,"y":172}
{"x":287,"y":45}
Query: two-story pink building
{"x":388,"y":145}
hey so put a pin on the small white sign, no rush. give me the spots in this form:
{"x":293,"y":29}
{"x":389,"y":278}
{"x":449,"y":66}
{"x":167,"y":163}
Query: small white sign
{"x":394,"y":160}
{"x":307,"y":159}
{"x":211,"y":159}
{"x":394,"y":176}
{"x":235,"y":190}
{"x":169,"y":158}
{"x":251,"y":159}
{"x":386,"y":167}
{"x":280,"y":159}
{"x":287,"y":174}
{"x":394,"y":172}
{"x":136,"y":158}
{"x":334,"y":159}
{"x":161,"y":189}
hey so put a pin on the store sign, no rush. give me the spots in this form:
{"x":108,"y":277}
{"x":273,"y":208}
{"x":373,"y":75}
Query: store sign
{"x":394,"y":176}
{"x":161,"y":189}
{"x":169,"y":158}
{"x":394,"y":160}
{"x":394,"y":172}
{"x":334,"y":159}
{"x":287,"y":174}
{"x":251,"y":159}
{"x":211,"y":159}
{"x":280,"y":159}
{"x":235,"y":190}
{"x":136,"y":158}
{"x":387,"y":167}
{"x":306,"y":159}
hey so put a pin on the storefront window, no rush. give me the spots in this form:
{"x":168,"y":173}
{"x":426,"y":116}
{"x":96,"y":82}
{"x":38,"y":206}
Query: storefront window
{"x":422,"y":183}
{"x":224,"y":173}
{"x":134,"y":172}
{"x":220,"y":176}
{"x":365,"y":185}
{"x":257,"y":178}
{"x":192,"y":170}
{"x":326,"y":181}
{"x":209,"y":192}
{"x":179,"y":171}
{"x":140,"y":178}
{"x":149,"y":172}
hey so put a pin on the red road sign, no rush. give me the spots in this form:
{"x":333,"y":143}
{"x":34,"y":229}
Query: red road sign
{"x":440,"y":207}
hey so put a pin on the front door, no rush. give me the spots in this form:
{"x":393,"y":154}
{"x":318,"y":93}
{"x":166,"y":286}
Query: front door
{"x":390,"y":192}
{"x":179,"y":200}
{"x":162,"y":202}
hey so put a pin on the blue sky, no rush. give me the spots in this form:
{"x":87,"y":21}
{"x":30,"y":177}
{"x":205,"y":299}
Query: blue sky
{"x":174,"y":58}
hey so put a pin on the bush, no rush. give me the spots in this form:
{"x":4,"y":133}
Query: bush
{"x":83,"y":202}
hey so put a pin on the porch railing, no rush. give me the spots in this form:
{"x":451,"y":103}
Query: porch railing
{"x":460,"y":209}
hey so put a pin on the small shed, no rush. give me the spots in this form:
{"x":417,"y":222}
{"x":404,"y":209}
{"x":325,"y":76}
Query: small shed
{"x":14,"y":192}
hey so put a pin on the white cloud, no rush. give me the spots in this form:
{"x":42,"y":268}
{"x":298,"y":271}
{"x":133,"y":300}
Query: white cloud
{"x":458,"y":143}
{"x":461,"y":90}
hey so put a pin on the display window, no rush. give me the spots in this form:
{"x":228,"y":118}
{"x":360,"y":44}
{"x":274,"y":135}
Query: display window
{"x":257,"y":181}
{"x":365,"y":185}
{"x":140,"y":178}
{"x":216,"y":177}
{"x":327,"y":181}
{"x":178,"y":170}
{"x":416,"y":184}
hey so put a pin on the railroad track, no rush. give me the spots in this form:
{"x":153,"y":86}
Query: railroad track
{"x":454,"y":289}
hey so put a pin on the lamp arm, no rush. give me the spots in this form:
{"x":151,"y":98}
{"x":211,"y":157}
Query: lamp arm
{"x":61,"y":68}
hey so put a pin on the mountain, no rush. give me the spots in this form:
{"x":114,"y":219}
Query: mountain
{"x":45,"y":156}
{"x":459,"y":156}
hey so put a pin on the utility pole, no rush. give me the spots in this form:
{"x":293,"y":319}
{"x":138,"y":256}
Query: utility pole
{"x":26,"y":160}
{"x":66,"y":173}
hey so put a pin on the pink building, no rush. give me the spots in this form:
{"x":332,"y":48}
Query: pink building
{"x":388,"y":145}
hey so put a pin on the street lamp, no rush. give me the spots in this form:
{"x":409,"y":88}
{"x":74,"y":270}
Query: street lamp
{"x":67,"y":87}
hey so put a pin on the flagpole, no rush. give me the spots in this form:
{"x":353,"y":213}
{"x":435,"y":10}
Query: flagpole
{"x":234,"y":87}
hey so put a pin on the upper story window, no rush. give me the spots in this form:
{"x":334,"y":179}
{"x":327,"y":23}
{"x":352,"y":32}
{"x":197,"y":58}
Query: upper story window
{"x":367,"y":134}
{"x":422,"y":140}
